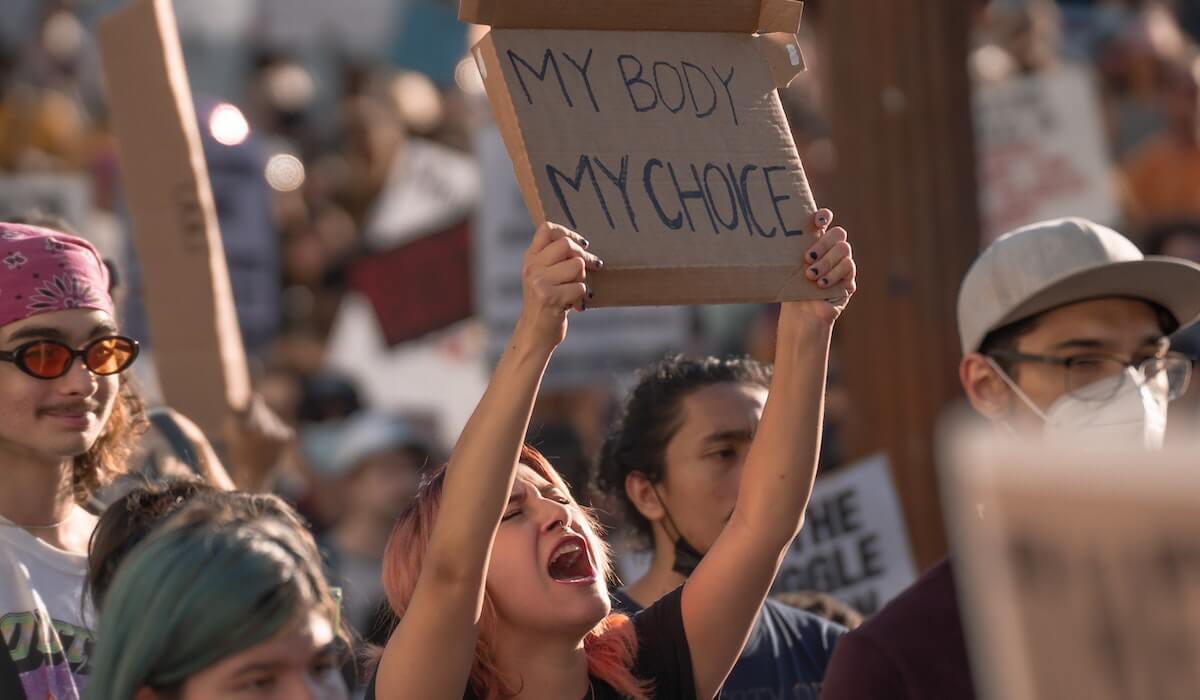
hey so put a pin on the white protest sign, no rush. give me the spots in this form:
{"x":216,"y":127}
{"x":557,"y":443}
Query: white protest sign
{"x":442,"y":373}
{"x":429,"y":187}
{"x":603,"y":346}
{"x":1042,"y":151}
{"x":1078,"y":568}
{"x":854,"y":544}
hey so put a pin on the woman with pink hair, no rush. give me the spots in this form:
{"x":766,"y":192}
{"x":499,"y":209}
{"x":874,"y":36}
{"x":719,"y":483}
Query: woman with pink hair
{"x":502,"y":593}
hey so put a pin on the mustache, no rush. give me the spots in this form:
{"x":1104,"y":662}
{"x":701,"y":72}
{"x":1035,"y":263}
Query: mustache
{"x":71,"y":407}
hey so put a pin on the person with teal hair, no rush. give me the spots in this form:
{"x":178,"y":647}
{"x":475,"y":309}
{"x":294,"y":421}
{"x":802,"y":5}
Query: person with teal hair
{"x":211,"y":606}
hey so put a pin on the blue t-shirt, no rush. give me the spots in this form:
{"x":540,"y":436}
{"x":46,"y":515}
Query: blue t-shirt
{"x":785,"y":656}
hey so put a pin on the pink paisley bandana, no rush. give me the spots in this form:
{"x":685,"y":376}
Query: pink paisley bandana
{"x":43,"y":271}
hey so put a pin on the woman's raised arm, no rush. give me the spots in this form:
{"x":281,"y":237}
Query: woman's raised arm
{"x":722,"y":598}
{"x":430,"y":653}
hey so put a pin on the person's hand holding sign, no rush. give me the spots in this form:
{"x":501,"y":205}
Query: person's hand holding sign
{"x":554,"y":281}
{"x":829,"y":264}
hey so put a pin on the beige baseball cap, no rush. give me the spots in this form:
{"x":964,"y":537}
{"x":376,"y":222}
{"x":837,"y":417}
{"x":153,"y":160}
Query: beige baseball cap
{"x":1063,"y":261}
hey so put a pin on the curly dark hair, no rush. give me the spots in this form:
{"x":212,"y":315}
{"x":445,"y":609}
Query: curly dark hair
{"x":109,"y":455}
{"x":126,"y":522}
{"x":637,"y":441}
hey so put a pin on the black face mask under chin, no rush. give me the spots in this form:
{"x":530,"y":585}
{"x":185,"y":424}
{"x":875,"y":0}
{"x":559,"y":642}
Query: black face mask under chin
{"x":687,"y":557}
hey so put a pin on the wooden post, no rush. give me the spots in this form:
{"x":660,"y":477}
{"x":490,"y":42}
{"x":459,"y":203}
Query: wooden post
{"x":905,"y":189}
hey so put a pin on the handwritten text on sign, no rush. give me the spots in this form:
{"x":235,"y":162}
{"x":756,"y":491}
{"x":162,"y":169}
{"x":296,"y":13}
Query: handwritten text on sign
{"x":646,"y":135}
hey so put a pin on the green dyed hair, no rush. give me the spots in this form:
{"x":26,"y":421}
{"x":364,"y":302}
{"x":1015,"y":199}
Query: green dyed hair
{"x":193,"y":594}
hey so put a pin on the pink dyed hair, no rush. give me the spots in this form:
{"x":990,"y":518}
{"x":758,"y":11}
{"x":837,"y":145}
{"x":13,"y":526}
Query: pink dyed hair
{"x":610,"y":646}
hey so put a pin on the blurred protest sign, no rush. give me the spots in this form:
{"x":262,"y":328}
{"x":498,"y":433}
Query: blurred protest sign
{"x":604,"y":346}
{"x":430,"y":187}
{"x":654,"y":128}
{"x":245,"y":219}
{"x":416,"y":271}
{"x":198,"y":346}
{"x":442,"y":373}
{"x":419,"y":287}
{"x":854,"y":544}
{"x":1042,"y":151}
{"x":1078,"y":568}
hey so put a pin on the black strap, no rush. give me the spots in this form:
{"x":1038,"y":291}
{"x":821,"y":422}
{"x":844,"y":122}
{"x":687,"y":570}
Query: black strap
{"x":179,"y":442}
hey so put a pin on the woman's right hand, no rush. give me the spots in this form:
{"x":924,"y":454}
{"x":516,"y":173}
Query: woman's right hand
{"x":554,"y":281}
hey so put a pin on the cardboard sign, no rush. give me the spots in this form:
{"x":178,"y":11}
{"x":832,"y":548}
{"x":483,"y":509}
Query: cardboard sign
{"x":1042,"y":151}
{"x":198,"y":345}
{"x":1078,"y":568}
{"x":854,"y":544}
{"x":604,"y":346}
{"x":668,"y":150}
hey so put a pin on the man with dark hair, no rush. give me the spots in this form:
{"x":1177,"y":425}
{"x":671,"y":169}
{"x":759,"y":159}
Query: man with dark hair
{"x":673,"y":461}
{"x":1064,"y":328}
{"x":67,"y":424}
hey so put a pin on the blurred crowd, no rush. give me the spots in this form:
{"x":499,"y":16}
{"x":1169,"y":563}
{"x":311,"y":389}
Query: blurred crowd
{"x":305,"y":136}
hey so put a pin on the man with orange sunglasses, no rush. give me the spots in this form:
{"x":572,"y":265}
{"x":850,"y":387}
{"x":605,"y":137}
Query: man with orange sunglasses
{"x":66,"y":428}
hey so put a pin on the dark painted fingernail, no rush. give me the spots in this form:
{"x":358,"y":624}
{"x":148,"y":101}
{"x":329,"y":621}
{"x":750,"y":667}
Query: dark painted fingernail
{"x":823,"y":220}
{"x":812,"y":271}
{"x":812,"y":255}
{"x":591,"y":294}
{"x":587,"y":243}
{"x":599,"y":263}
{"x":824,"y":281}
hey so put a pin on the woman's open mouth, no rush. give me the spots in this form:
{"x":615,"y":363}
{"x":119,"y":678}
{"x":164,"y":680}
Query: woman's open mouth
{"x":570,"y":563}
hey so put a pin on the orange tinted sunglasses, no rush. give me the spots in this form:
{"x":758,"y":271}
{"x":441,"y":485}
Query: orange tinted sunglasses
{"x":50,"y":359}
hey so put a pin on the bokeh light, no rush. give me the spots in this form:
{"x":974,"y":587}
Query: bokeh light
{"x":417,"y":101}
{"x":466,"y":76}
{"x":228,"y":125}
{"x":285,"y":172}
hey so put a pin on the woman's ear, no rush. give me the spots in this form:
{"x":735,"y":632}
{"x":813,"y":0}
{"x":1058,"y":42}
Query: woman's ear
{"x":641,"y":493}
{"x":985,"y":389}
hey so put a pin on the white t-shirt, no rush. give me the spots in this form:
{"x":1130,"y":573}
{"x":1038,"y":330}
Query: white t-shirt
{"x":48,"y":647}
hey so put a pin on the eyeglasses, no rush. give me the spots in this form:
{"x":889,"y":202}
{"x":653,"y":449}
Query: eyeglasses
{"x":50,"y":359}
{"x":1171,"y":372}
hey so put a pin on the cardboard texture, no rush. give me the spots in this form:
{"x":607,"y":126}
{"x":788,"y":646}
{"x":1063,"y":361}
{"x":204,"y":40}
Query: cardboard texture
{"x":737,"y":16}
{"x":195,"y":336}
{"x":605,"y":346}
{"x":669,"y":151}
{"x":1078,"y":568}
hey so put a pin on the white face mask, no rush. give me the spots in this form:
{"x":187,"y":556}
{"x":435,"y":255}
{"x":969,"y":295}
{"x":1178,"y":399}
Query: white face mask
{"x":1137,"y":413}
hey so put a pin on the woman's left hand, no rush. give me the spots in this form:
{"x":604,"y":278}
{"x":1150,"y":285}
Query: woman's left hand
{"x":829,"y":264}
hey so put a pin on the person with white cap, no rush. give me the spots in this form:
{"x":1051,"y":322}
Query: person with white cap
{"x":377,"y":462}
{"x":1064,"y":327}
